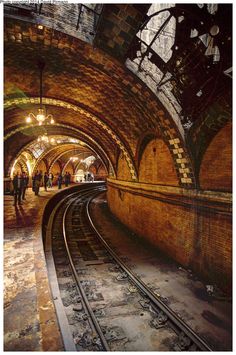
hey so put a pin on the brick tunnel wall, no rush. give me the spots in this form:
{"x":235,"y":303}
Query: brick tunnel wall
{"x":216,"y":167}
{"x":192,"y":227}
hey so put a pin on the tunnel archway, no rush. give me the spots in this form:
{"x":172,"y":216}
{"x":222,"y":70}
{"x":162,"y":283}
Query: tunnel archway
{"x":156,"y":164}
{"x":155,"y":120}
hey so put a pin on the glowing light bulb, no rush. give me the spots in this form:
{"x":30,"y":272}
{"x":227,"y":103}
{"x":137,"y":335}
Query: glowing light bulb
{"x":28,"y":119}
{"x":52,"y":121}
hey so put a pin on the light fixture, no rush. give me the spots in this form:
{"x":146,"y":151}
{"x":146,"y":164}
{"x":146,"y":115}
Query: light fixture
{"x":74,"y":159}
{"x":46,"y":139}
{"x":43,"y":138}
{"x":41,"y":116}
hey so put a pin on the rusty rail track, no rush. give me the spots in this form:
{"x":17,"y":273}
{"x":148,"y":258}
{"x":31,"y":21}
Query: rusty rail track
{"x":162,"y":315}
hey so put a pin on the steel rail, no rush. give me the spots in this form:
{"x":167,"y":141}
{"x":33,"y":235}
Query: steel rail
{"x":61,"y":316}
{"x":178,"y":322}
{"x":84,"y":297}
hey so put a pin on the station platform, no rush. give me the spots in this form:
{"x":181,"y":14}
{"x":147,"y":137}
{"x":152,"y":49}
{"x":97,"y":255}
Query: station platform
{"x":30,"y":323}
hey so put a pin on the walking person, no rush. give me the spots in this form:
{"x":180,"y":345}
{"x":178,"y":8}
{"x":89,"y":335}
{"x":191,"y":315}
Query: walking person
{"x":18,"y":187}
{"x":45,"y":181}
{"x":59,"y":181}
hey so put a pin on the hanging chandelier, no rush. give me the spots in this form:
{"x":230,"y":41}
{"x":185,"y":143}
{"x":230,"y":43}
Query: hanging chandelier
{"x":44,"y":138}
{"x":41,"y":116}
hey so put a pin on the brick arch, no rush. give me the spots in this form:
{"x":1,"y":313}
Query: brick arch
{"x":113,"y":136}
{"x":123,"y":172}
{"x":216,"y":166}
{"x":142,"y":143}
{"x":56,"y":168}
{"x":68,"y":167}
{"x":156,"y":165}
{"x":57,"y":128}
{"x":122,"y":102}
{"x":41,"y":166}
{"x":93,"y":169}
{"x":102,"y":172}
{"x":60,"y":155}
{"x":21,"y":165}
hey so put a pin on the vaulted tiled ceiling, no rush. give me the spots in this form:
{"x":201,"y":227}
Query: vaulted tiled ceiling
{"x":89,"y":89}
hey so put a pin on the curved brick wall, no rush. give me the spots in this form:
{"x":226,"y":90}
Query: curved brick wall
{"x":216,"y":167}
{"x":157,"y":165}
{"x":123,"y":172}
{"x":192,"y":228}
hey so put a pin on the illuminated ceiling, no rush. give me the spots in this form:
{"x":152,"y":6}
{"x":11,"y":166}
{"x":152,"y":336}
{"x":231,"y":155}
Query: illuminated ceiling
{"x":165,"y":70}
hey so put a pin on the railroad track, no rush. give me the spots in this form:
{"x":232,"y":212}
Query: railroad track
{"x":101,"y":304}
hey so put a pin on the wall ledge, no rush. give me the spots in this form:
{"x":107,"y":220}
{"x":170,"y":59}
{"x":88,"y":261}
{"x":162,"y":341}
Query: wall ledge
{"x":192,"y":198}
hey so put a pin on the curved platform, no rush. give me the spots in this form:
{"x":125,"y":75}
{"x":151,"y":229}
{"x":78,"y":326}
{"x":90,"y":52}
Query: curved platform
{"x":30,"y":322}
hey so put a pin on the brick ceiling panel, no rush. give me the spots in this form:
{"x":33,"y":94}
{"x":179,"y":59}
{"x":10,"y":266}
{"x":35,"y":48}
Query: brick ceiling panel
{"x":86,"y":77}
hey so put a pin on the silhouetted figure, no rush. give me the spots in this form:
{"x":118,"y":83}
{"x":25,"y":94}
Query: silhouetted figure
{"x":41,"y":177}
{"x":18,"y":187}
{"x":25,"y":182}
{"x":33,"y":182}
{"x":67,"y":179}
{"x":37,"y":182}
{"x":50,"y":180}
{"x":45,"y":181}
{"x":59,"y":181}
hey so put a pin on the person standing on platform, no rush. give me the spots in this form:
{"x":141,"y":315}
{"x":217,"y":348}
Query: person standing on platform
{"x":37,"y":182}
{"x":45,"y":180}
{"x":59,"y":181}
{"x":25,"y":181}
{"x":33,"y":182}
{"x":67,"y":179}
{"x":50,"y":180}
{"x":18,"y":187}
{"x":41,"y":177}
